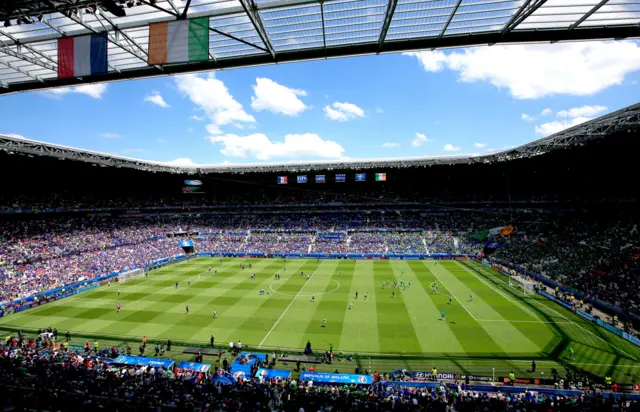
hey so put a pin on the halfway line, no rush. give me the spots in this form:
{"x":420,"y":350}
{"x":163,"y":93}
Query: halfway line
{"x":285,"y":311}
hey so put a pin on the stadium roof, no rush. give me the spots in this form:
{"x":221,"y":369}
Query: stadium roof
{"x":621,"y":121}
{"x":255,"y":32}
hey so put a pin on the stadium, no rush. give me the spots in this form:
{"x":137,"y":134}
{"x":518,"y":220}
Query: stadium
{"x":367,"y":266}
{"x":507,"y":279}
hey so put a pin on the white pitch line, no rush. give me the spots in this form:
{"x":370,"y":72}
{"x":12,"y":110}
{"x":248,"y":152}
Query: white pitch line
{"x":79,"y":295}
{"x":450,"y":291}
{"x":290,"y":304}
{"x":523,"y":321}
{"x":584,"y":329}
{"x":517,"y":303}
{"x":576,"y":363}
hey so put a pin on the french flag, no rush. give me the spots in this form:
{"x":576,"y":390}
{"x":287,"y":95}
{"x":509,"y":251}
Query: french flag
{"x":82,"y":56}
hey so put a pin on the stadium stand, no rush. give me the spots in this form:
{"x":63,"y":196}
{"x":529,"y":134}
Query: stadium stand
{"x":39,"y":380}
{"x":574,"y":210}
{"x":573,"y":225}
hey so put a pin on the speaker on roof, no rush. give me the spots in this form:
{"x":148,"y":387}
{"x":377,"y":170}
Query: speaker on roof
{"x":113,"y":8}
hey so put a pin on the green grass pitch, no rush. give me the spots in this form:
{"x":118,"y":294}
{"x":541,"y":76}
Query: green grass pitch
{"x":498,"y":329}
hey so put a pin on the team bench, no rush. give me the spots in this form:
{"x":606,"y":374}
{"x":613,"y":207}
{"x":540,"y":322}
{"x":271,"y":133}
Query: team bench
{"x":301,"y":359}
{"x":205,"y":351}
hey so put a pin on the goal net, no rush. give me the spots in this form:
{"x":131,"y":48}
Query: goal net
{"x":525,"y":286}
{"x":130,"y":274}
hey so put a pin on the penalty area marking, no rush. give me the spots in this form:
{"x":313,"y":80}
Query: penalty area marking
{"x":90,"y":292}
{"x":451,"y":292}
{"x":308,"y":294}
{"x":524,"y":321}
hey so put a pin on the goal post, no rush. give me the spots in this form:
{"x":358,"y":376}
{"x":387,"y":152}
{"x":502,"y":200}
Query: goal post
{"x":130,"y":274}
{"x":525,"y":286}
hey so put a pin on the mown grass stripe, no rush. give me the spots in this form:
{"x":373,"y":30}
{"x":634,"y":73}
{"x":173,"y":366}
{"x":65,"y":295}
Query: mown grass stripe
{"x":507,"y":336}
{"x":472,"y":337}
{"x":395,"y":330}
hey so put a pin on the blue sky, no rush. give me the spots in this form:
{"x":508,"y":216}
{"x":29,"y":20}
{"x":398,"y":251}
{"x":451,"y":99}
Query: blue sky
{"x":399,"y":105}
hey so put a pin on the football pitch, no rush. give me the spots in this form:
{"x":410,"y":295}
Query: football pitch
{"x":498,"y":326}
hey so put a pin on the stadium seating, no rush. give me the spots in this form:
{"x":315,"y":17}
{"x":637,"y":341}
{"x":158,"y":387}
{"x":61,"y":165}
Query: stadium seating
{"x":589,"y":253}
{"x":34,"y":379}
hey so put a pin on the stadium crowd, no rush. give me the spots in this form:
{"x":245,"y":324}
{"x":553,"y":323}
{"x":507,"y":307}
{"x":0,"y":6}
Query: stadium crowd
{"x":596,"y":255}
{"x":36,"y":377}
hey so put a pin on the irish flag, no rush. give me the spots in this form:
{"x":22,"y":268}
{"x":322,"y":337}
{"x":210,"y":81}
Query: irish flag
{"x":179,"y":41}
{"x":82,"y":56}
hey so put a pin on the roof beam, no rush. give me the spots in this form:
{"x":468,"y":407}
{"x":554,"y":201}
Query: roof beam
{"x":324,"y":31}
{"x":110,"y":37}
{"x":186,"y":9}
{"x":446,"y":25}
{"x":19,"y":70}
{"x":128,"y":39}
{"x":391,"y":9}
{"x":173,"y":6}
{"x":21,"y":56}
{"x":317,"y":53}
{"x":155,"y":6}
{"x":52,"y":65}
{"x":251,"y":11}
{"x":122,"y":33}
{"x":528,"y":8}
{"x":588,"y":14}
{"x":515,"y":16}
{"x":220,"y":12}
{"x":238,"y":39}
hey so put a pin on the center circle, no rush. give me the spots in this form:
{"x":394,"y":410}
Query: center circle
{"x":307,"y":294}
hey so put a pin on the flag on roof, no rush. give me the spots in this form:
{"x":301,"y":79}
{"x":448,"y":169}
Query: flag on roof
{"x":179,"y":41}
{"x":82,"y":56}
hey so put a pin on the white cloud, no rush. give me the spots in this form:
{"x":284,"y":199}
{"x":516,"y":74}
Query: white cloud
{"x":157,"y":99}
{"x":420,"y":139}
{"x":546,"y":129}
{"x":261,"y":147}
{"x":198,"y":118}
{"x":451,"y":148}
{"x":390,"y":144}
{"x":570,"y":118}
{"x":212,"y":97}
{"x":109,"y":135}
{"x":535,"y":71}
{"x":530,"y":118}
{"x":584,"y":111}
{"x":343,"y":112}
{"x":277,"y":98}
{"x":479,"y":145}
{"x":92,"y":90}
{"x":183,"y":161}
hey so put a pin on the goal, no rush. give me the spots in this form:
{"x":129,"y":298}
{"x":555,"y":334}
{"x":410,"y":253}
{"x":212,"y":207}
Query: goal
{"x":525,"y":286}
{"x":130,"y":274}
